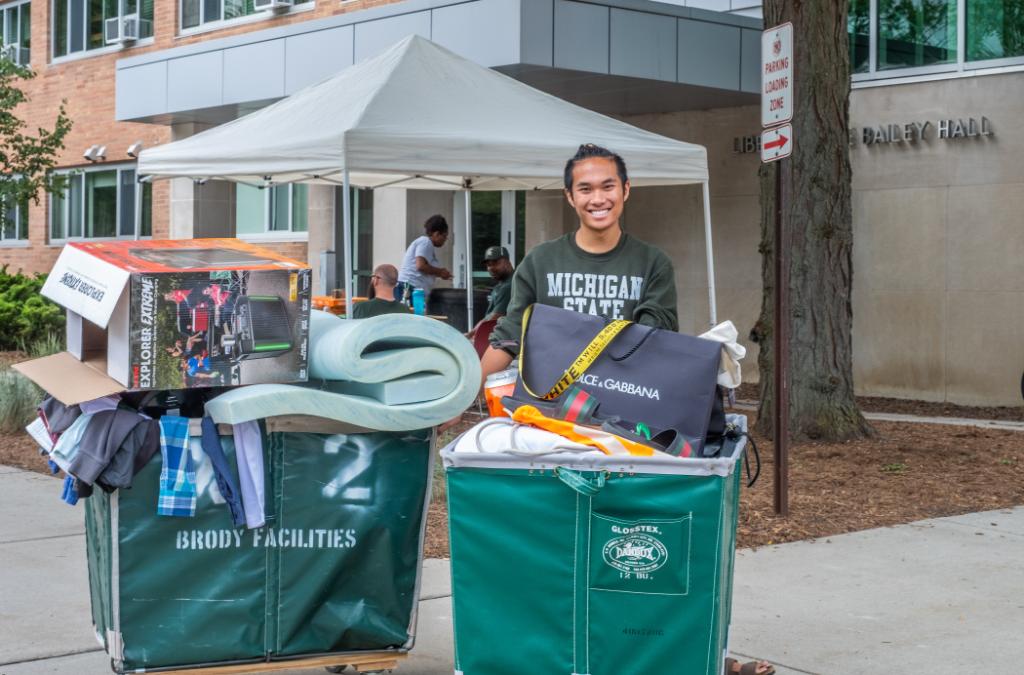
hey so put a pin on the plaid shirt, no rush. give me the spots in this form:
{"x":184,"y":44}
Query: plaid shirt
{"x":178,"y":474}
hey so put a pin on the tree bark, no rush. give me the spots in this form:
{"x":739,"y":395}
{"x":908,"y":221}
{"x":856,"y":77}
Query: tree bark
{"x":818,"y":215}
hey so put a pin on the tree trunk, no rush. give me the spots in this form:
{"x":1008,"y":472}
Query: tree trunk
{"x":818,"y":215}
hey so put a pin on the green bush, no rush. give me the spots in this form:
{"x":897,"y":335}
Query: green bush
{"x":18,"y":400}
{"x":26,"y":317}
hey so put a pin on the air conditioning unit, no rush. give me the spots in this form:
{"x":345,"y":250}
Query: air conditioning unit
{"x":19,"y":55}
{"x":121,"y":29}
{"x":272,"y":5}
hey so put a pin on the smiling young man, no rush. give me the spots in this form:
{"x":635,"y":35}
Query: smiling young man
{"x":597,"y":269}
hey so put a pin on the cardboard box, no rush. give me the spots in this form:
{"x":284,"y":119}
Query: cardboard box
{"x":176,"y":314}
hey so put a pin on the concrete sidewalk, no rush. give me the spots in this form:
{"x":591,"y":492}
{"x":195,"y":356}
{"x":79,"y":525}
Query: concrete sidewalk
{"x":937,"y":596}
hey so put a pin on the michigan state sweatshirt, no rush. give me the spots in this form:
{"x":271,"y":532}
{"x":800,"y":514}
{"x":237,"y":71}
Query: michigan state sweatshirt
{"x":633,"y":281}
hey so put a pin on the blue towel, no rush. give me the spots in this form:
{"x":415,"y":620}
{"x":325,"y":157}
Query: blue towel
{"x":69,"y":493}
{"x":178,"y":474}
{"x":226,"y":482}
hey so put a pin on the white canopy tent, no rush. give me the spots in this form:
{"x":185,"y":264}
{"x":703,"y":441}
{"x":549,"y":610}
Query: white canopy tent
{"x":420,"y":116}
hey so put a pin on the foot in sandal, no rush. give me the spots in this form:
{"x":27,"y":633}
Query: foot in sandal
{"x":750,"y":668}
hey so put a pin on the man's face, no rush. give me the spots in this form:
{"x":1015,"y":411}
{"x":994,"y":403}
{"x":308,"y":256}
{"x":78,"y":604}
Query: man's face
{"x":597,"y":194}
{"x":499,"y":269}
{"x":438,"y":238}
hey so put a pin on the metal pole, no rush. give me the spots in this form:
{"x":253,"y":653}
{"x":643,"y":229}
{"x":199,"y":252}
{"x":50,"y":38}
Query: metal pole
{"x":469,"y":261}
{"x":709,"y":250}
{"x":780,"y":343}
{"x":355,"y":241}
{"x":346,"y":237}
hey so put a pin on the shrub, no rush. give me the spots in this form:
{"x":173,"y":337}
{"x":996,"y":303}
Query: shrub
{"x":26,"y":317}
{"x":18,"y":400}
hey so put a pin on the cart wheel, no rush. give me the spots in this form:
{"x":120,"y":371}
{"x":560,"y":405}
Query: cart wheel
{"x":336,"y":669}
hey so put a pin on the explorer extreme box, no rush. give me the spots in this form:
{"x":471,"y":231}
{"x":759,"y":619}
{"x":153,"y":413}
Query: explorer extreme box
{"x":184,"y":313}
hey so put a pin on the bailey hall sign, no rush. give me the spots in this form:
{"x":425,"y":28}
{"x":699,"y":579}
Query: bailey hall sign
{"x":906,"y":133}
{"x":913,"y":132}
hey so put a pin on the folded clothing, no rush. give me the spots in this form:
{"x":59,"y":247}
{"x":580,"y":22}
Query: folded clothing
{"x":109,"y":445}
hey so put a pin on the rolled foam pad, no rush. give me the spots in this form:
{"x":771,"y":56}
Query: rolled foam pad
{"x":402,"y":349}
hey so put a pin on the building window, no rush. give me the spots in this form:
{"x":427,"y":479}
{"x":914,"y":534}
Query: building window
{"x":889,"y":38}
{"x":859,"y":24}
{"x":278,"y":209}
{"x":101,"y":204}
{"x":13,"y":223}
{"x":79,"y":25}
{"x":995,"y":29}
{"x":916,"y":33}
{"x":16,"y":32}
{"x":196,"y":13}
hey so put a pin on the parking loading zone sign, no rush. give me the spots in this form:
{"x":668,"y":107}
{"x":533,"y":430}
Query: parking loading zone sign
{"x":777,"y":75}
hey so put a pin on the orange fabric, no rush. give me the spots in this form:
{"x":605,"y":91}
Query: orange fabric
{"x":608,"y":443}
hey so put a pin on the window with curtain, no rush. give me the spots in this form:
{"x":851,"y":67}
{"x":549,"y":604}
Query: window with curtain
{"x":102,"y":203}
{"x":196,"y":13}
{"x":78,"y":24}
{"x":16,"y":32}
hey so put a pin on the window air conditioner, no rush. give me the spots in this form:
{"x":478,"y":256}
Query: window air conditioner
{"x":273,"y":5}
{"x":120,"y":29}
{"x":19,"y":55}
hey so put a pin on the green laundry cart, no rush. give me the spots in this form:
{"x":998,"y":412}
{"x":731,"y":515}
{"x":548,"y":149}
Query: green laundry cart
{"x":334,"y":571}
{"x":587,"y":564}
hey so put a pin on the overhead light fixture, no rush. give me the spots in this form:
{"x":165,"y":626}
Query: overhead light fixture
{"x":91,"y":153}
{"x":134,"y":149}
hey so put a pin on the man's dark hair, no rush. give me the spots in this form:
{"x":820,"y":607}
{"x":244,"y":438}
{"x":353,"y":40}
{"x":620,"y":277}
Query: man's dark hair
{"x":436,"y":223}
{"x":589,"y":151}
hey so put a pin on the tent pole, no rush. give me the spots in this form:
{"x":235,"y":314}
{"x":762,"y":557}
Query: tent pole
{"x":710,"y":253}
{"x":469,"y":261}
{"x":346,"y":237}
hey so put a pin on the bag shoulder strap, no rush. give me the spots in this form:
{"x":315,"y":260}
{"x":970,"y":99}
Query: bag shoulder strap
{"x":579,"y":366}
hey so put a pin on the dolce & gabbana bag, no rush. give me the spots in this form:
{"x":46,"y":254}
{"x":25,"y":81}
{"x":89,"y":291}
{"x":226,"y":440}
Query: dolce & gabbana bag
{"x":657,"y":378}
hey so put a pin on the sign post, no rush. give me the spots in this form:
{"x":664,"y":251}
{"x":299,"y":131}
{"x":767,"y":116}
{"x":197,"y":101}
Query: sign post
{"x":777,"y":87}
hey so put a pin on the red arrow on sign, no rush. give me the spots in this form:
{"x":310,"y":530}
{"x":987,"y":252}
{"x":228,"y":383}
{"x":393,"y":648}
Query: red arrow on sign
{"x":777,"y":143}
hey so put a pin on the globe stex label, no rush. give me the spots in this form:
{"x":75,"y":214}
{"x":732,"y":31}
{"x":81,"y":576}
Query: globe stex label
{"x":640,"y":556}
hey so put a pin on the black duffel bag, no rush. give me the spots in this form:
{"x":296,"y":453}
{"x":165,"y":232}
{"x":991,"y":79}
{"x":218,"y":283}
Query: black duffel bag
{"x":660,"y":378}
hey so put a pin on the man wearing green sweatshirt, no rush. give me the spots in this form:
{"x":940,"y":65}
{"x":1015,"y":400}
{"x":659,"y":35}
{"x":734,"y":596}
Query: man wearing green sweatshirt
{"x":598,"y":269}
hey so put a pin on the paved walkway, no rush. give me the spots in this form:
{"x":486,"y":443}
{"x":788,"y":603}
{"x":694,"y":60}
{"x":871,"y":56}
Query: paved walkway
{"x":938,"y":596}
{"x":1004,"y":425}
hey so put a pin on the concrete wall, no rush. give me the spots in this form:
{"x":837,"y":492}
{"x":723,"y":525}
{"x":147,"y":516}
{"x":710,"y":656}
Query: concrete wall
{"x":939,"y":244}
{"x":398,"y":217}
{"x":672,"y":218}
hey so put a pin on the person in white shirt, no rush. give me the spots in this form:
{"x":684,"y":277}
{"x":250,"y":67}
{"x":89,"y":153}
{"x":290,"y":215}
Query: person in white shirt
{"x":420,"y":267}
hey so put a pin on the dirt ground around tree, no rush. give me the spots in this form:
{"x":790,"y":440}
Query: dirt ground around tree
{"x":906,"y":472}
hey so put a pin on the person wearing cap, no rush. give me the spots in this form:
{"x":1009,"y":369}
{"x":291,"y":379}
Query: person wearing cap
{"x":382,"y":289}
{"x":500,"y":268}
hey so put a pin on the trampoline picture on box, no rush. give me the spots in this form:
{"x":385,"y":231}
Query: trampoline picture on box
{"x":220,"y":328}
